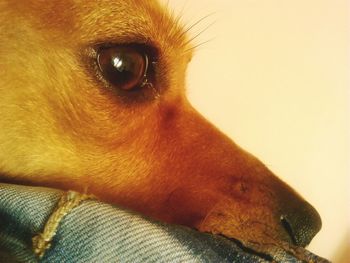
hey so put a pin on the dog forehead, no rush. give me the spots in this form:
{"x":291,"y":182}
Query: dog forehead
{"x":128,"y":21}
{"x":119,"y":21}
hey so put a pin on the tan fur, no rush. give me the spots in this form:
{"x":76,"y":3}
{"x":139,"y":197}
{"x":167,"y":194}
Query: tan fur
{"x":60,"y":127}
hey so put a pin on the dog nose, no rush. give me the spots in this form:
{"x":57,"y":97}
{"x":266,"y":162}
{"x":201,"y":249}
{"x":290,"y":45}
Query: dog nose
{"x":301,"y":224}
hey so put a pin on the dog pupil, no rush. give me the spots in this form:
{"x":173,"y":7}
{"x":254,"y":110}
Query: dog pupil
{"x":122,"y":67}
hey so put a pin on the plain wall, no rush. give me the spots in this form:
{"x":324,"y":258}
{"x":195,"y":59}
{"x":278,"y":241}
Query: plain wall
{"x":275,"y":78}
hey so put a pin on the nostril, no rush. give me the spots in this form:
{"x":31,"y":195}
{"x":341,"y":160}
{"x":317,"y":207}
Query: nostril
{"x":288,"y":227}
{"x":301,"y":224}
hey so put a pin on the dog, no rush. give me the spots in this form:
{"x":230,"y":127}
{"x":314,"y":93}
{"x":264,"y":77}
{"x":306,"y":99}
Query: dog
{"x":92,"y":98}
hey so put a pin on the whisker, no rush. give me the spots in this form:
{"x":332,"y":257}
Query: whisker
{"x":198,"y":45}
{"x":196,"y":23}
{"x":201,"y":32}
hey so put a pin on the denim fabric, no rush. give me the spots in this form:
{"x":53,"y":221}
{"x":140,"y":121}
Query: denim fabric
{"x":99,"y":232}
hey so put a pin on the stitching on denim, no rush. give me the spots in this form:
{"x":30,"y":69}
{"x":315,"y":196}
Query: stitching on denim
{"x":68,"y":201}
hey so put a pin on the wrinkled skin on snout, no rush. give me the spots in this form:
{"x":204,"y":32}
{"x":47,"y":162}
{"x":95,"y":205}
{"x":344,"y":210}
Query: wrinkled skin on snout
{"x":62,"y":127}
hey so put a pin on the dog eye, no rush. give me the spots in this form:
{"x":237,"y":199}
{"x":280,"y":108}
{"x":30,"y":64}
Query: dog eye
{"x":123,"y":67}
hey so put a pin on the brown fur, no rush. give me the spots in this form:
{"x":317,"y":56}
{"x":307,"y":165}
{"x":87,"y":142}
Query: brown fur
{"x":60,"y":127}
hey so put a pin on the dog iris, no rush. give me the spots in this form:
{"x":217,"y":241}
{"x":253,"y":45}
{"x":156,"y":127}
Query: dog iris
{"x":124,"y":67}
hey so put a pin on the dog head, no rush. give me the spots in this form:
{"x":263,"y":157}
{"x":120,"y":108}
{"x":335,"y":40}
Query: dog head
{"x":92,"y":96}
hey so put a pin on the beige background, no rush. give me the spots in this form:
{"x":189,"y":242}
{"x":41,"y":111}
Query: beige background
{"x":275,"y":77}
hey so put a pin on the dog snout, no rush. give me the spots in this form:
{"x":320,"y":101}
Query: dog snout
{"x":239,"y":196}
{"x":301,"y":224}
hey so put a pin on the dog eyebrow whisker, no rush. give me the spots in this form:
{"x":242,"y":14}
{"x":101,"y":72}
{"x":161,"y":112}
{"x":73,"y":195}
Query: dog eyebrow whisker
{"x":198,"y":34}
{"x":198,"y":45}
{"x":187,"y":29}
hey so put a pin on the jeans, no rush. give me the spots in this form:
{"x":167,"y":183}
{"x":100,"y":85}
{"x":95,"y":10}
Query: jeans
{"x":98,"y":232}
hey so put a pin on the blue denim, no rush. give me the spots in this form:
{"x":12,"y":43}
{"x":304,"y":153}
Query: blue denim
{"x":99,"y":232}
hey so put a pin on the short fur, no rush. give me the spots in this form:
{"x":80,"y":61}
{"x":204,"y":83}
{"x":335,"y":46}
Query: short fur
{"x":60,"y":127}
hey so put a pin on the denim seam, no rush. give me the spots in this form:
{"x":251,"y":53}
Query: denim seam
{"x":68,"y":201}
